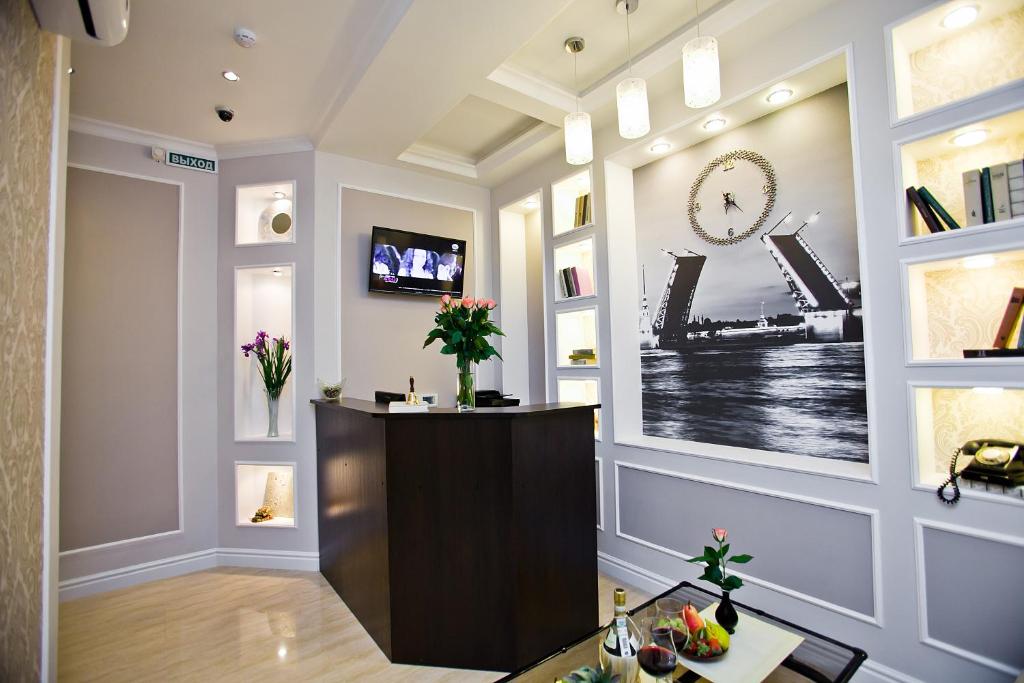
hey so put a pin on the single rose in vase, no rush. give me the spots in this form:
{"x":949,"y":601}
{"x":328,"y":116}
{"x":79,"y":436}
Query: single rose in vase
{"x":716,"y":560}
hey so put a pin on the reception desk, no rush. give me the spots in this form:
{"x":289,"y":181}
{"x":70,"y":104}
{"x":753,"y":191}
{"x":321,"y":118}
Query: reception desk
{"x":460,"y":540}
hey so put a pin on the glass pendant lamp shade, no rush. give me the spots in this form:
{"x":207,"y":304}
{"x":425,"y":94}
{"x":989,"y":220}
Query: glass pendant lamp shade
{"x":579,"y":141}
{"x":701,"y":83}
{"x":634,"y":117}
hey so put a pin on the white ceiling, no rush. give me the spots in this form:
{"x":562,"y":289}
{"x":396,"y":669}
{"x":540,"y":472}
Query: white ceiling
{"x":473,"y":89}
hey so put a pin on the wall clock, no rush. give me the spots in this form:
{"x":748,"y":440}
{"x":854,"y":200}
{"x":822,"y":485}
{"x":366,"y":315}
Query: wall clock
{"x":732,"y":197}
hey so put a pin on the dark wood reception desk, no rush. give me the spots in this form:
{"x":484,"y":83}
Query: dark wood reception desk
{"x":460,"y":539}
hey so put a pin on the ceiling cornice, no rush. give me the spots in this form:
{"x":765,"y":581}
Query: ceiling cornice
{"x":114,"y":131}
{"x":439,"y":159}
{"x":534,"y":86}
{"x":260,"y":148}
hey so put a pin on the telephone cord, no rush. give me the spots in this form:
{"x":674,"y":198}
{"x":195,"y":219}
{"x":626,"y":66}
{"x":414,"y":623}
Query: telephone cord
{"x":951,"y":481}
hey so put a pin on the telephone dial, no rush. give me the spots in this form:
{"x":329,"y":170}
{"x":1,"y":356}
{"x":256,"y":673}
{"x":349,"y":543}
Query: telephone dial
{"x":993,"y":461}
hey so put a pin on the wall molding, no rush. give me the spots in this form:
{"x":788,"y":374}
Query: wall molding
{"x":114,"y":131}
{"x":177,"y":565}
{"x":875,"y":619}
{"x":600,"y":492}
{"x":920,"y":524}
{"x":439,"y":159}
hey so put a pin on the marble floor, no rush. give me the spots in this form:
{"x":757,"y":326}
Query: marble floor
{"x":234,"y":624}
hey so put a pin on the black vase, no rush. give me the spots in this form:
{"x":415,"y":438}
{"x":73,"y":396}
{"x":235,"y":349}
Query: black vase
{"x":726,"y":613}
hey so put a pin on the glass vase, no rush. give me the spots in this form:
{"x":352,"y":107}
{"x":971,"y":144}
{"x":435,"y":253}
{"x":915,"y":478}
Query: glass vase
{"x":272,"y":402}
{"x":726,"y":613}
{"x":465,"y":393}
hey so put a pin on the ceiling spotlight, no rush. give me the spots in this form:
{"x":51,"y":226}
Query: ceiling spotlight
{"x":779,"y":96}
{"x":979,"y":261}
{"x":712,"y":125}
{"x":229,"y":76}
{"x":71,"y":70}
{"x":969,"y":137}
{"x":279,"y":195}
{"x":960,"y":17}
{"x":813,"y":218}
{"x":660,"y":147}
{"x":531,"y":203}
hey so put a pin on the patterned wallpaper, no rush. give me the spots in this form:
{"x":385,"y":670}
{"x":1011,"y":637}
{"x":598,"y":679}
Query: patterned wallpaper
{"x":970,"y":62}
{"x":961,"y":415}
{"x":964,"y":307}
{"x":26,"y":94}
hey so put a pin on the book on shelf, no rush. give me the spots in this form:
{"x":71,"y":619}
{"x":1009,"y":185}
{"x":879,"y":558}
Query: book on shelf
{"x":1010,"y":315}
{"x":1000,"y":192}
{"x":937,"y":208}
{"x":583,"y":357}
{"x":986,"y":194}
{"x":582,"y":214}
{"x":565,"y":277}
{"x":972,"y":197}
{"x":575,"y":281}
{"x":1016,"y":339}
{"x":1015,"y":179}
{"x":926,"y":213}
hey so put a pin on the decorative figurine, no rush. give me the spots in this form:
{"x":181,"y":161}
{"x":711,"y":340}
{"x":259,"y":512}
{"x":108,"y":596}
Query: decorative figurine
{"x":263,"y":514}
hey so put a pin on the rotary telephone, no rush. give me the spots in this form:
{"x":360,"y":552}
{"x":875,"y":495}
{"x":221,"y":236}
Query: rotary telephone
{"x":993,"y":461}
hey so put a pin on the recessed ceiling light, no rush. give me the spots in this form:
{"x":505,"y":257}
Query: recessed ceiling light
{"x":714,"y":124}
{"x":71,"y":70}
{"x":960,"y":17}
{"x":969,"y":137}
{"x":813,"y":218}
{"x":979,"y":261}
{"x":531,"y":203}
{"x":279,"y":195}
{"x":660,"y":147}
{"x":229,"y":76}
{"x":779,"y":96}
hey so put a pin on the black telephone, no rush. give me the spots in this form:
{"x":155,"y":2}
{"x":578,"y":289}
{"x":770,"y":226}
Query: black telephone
{"x":993,"y":461}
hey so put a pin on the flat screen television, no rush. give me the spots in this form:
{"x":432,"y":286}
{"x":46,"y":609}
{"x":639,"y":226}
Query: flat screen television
{"x":403,"y":262}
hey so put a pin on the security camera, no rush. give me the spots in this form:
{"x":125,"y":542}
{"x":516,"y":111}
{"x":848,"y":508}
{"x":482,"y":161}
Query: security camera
{"x":225,"y":114}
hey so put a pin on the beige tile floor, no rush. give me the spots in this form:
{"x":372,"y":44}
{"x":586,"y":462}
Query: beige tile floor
{"x":233,"y":624}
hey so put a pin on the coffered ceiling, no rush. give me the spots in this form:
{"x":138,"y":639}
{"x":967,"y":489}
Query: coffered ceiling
{"x":469,"y":89}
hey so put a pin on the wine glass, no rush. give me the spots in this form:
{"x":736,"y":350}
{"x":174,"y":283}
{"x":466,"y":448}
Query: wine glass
{"x":657,"y":657}
{"x":670,"y":613}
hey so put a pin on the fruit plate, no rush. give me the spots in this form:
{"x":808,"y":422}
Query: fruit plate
{"x":755,"y":650}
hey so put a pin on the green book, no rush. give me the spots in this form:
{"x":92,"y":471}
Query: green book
{"x":987,"y":209}
{"x":930,"y":199}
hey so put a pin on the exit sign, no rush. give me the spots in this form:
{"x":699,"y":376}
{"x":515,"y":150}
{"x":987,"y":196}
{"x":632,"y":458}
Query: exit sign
{"x":191,"y":162}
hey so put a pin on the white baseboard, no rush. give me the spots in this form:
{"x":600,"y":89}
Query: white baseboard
{"x":869,"y":672}
{"x":168,"y":567}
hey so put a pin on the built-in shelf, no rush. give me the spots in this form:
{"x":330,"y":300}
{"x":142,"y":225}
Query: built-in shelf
{"x":264,"y":300}
{"x":576,"y":330}
{"x":946,"y":417}
{"x":939,"y":58}
{"x":938,"y":163}
{"x":265,"y":213}
{"x":957,"y":303}
{"x":577,"y":256}
{"x":564,"y":197}
{"x":265,"y":484}
{"x":582,"y":390}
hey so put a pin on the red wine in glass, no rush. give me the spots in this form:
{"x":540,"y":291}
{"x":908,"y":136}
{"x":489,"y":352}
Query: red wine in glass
{"x":657,"y":661}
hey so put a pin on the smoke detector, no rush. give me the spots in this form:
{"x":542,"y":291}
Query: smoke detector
{"x":244,"y":37}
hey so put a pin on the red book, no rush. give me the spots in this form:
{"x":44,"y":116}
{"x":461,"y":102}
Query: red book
{"x":1009,"y":318}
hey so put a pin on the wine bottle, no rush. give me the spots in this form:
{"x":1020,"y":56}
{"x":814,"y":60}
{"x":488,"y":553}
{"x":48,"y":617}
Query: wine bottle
{"x":621,"y":643}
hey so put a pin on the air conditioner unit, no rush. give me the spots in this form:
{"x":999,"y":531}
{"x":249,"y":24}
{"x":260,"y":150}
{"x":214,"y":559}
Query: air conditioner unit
{"x":103,"y":22}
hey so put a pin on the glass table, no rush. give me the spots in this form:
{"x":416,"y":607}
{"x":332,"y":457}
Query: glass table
{"x":818,"y":658}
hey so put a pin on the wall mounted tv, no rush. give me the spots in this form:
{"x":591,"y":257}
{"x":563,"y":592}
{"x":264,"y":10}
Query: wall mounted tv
{"x":404,"y":262}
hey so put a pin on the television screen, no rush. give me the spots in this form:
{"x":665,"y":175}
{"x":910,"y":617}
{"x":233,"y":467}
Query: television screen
{"x":410,"y":263}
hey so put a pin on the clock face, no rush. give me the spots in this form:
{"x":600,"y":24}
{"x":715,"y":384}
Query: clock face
{"x":732,"y":197}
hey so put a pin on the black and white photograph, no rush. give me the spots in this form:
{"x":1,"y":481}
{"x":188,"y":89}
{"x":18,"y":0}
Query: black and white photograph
{"x":751,"y":329}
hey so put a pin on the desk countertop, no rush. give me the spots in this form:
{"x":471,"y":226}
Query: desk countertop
{"x":381,"y":409}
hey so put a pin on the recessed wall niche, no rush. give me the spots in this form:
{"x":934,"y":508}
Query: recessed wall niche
{"x":958,"y":303}
{"x":946,"y":417}
{"x":265,"y":213}
{"x":574,"y":270}
{"x":264,"y":300}
{"x":955,"y":51}
{"x":572,"y":203}
{"x":263,"y":489}
{"x":576,"y":338}
{"x":582,"y":390}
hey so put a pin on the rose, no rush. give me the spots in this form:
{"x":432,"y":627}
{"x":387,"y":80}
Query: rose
{"x":468,"y":302}
{"x":491,"y":304}
{"x":445,"y":300}
{"x":719,"y":534}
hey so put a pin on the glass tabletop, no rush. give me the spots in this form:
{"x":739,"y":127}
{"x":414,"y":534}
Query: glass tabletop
{"x":818,"y":658}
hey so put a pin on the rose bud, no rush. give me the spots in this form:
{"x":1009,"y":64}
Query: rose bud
{"x":719,"y":534}
{"x":468,"y":302}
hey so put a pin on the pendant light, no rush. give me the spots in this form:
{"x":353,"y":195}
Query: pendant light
{"x":631,"y":93}
{"x":701,"y":81}
{"x":579,"y":137}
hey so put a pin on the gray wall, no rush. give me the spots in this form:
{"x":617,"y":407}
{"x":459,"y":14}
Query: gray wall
{"x":381,"y":334}
{"x":824,"y":598}
{"x":534,"y":275}
{"x":198,"y":326}
{"x":119,"y":423}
